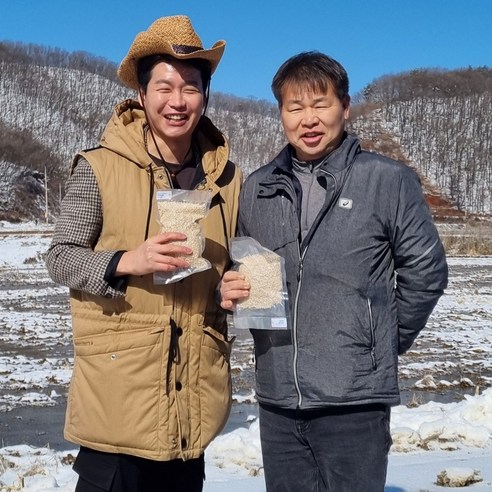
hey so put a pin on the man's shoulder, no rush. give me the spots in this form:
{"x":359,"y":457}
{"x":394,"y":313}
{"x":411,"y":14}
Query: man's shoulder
{"x":91,"y":154}
{"x":253,"y":180}
{"x":268,"y":169}
{"x":99,"y":159}
{"x":261,"y":172}
{"x":385,"y":164}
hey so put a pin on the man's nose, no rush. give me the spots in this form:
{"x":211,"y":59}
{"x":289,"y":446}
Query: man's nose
{"x":176,"y":99}
{"x":310,"y":118}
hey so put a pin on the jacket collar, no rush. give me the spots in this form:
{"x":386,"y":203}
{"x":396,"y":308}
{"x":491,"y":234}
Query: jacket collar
{"x":337,"y":161}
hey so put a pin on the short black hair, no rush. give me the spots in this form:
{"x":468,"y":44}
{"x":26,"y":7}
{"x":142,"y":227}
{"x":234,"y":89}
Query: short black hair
{"x":147,"y":63}
{"x":314,"y":71}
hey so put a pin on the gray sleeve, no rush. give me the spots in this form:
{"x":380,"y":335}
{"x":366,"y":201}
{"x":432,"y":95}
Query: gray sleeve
{"x":71,"y":259}
{"x":420,"y":261}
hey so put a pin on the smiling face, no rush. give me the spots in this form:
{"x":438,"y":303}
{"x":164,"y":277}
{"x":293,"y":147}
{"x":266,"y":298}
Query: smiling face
{"x":174,"y":101}
{"x":313,"y":121}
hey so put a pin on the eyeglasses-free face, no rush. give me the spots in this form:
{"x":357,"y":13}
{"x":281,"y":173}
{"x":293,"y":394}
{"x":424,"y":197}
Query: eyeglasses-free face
{"x":313,"y":122}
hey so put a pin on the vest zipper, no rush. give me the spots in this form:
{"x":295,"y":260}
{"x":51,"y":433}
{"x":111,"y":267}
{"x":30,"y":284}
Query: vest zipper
{"x":151,"y":198}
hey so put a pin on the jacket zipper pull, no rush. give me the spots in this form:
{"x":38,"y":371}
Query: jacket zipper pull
{"x":299,"y":271}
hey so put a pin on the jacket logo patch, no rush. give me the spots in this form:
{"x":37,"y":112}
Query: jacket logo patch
{"x":345,"y":203}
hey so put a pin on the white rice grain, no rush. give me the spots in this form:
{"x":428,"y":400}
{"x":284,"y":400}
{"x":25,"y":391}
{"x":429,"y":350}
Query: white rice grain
{"x":264,"y":273}
{"x":177,"y":216}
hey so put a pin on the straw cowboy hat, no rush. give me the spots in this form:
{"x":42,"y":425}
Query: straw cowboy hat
{"x":172,"y":36}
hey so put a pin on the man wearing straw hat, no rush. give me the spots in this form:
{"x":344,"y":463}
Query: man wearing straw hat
{"x":151,"y":382}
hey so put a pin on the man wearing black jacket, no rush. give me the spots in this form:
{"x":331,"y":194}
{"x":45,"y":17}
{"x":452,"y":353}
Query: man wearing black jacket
{"x":364,"y":267}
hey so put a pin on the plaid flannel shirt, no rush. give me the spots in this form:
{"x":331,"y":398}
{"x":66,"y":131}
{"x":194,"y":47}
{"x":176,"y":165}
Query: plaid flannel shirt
{"x":71,"y":259}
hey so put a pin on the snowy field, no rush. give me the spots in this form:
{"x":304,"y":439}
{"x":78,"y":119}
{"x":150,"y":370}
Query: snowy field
{"x":442,"y":433}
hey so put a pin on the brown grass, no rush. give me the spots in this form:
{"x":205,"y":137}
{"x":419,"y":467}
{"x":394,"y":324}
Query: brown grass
{"x":467,"y":239}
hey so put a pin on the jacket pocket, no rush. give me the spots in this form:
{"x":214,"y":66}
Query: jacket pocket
{"x":116,"y":389}
{"x":337,"y":339}
{"x":218,"y":341}
{"x":351,"y":313}
{"x":214,"y":382}
{"x":372,"y":335}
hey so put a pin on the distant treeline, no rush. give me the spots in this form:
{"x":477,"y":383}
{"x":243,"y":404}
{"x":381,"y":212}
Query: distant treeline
{"x":55,"y":103}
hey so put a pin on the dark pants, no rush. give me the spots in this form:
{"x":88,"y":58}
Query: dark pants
{"x":336,"y":450}
{"x":123,"y":473}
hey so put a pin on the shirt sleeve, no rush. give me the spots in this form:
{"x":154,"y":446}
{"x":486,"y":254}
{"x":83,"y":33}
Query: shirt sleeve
{"x":71,"y":259}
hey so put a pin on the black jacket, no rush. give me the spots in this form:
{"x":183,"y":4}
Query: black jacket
{"x":361,"y":285}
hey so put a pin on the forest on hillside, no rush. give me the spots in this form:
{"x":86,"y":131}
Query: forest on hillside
{"x":55,"y":103}
{"x":442,"y":120}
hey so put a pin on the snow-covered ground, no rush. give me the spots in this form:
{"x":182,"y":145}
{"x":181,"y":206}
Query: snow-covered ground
{"x":442,"y":436}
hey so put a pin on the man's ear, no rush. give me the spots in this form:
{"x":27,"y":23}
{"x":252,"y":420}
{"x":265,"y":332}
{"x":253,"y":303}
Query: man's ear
{"x":346,"y":106}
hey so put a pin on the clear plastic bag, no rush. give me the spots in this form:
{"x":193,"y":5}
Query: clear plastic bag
{"x":266,"y":307}
{"x":181,"y":211}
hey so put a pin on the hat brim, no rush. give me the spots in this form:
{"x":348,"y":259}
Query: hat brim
{"x":127,"y":71}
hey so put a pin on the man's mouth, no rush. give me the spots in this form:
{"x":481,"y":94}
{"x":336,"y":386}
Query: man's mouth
{"x":176,"y":117}
{"x":311,"y":137}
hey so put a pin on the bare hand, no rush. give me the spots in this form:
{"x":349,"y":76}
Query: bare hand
{"x":233,"y":288}
{"x":157,"y":254}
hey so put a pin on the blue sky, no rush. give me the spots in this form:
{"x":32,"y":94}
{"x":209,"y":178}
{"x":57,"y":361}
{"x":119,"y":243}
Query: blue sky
{"x":370,"y":38}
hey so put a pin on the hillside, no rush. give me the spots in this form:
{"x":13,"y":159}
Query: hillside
{"x":55,"y":103}
{"x":441,"y":121}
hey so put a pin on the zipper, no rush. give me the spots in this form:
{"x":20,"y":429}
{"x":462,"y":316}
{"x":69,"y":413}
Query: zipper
{"x":332,"y":176}
{"x":294,"y":325}
{"x":302,"y":255}
{"x":372,"y":342}
{"x":324,"y":171}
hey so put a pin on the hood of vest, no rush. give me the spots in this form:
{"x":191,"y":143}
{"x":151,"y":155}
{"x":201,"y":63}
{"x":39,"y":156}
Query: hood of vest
{"x":125,"y":135}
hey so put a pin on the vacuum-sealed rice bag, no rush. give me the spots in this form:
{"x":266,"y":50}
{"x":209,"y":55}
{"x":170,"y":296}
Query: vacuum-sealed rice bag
{"x":181,"y":211}
{"x":267,"y":305}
